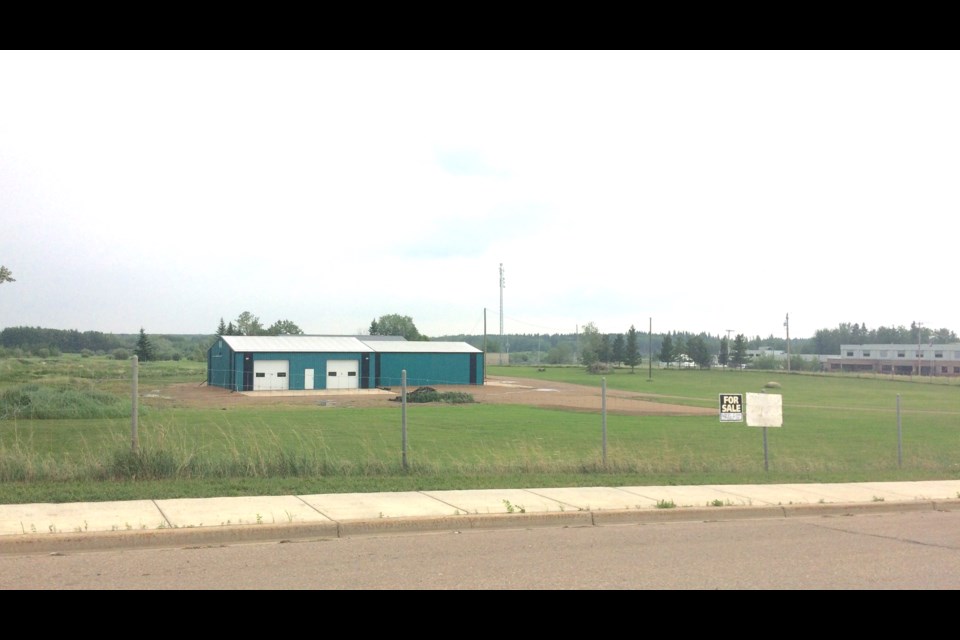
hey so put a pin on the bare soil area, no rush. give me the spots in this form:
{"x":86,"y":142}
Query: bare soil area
{"x":496,"y":390}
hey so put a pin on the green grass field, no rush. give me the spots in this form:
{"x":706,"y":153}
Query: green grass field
{"x":835,"y":429}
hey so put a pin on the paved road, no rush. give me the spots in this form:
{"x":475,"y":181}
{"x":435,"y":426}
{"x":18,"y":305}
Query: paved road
{"x":913,"y":549}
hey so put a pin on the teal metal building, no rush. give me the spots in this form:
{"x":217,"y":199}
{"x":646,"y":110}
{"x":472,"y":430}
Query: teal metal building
{"x":299,"y":363}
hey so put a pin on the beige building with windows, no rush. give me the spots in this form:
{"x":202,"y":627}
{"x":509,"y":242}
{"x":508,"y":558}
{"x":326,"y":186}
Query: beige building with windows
{"x":898,"y":359}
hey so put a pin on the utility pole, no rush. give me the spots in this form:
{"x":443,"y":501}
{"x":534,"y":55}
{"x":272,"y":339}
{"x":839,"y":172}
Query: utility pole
{"x":729,"y":331}
{"x":650,"y":351}
{"x":501,"y":313}
{"x":787,"y":325}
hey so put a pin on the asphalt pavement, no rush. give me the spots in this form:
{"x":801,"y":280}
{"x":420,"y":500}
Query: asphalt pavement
{"x":64,"y":527}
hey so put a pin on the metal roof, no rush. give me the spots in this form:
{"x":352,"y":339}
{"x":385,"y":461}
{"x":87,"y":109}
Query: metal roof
{"x":423,"y":347}
{"x":341,"y":344}
{"x":296,"y":344}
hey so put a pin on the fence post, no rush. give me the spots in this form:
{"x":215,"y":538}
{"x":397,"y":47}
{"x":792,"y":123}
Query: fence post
{"x":603,"y":404}
{"x":899,"y":436}
{"x":403,"y":416}
{"x":134,"y":436}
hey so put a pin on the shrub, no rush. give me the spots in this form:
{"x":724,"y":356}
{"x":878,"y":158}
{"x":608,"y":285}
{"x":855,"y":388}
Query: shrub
{"x":121,"y":354}
{"x":429,"y":394}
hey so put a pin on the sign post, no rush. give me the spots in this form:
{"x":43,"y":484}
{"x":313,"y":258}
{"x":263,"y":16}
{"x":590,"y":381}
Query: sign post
{"x":764,"y":410}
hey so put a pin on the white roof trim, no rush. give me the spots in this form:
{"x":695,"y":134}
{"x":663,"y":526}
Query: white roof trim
{"x":296,"y":344}
{"x":340,"y":344}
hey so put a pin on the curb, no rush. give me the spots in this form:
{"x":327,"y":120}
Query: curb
{"x":58,"y":543}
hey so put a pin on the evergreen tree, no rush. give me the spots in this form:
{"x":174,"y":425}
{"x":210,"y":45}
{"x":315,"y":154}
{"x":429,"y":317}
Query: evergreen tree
{"x":739,"y":357}
{"x":666,"y":349}
{"x":724,"y":356}
{"x":679,"y":350}
{"x":631,"y":353}
{"x":5,"y":275}
{"x":698,"y":351}
{"x":605,"y":352}
{"x":619,"y":349}
{"x":144,"y":350}
{"x":221,"y":328}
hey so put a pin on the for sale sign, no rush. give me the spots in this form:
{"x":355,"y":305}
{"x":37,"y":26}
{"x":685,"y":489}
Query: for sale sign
{"x":731,"y":407}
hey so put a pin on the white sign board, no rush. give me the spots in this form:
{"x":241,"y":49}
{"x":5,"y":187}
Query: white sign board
{"x":764,"y":410}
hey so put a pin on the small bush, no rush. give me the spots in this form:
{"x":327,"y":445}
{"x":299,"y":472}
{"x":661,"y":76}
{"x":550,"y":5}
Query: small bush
{"x":600,"y":368}
{"x":121,"y":354}
{"x":429,"y":394}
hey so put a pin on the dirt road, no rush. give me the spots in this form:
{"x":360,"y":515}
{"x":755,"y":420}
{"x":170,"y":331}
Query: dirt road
{"x":496,"y":390}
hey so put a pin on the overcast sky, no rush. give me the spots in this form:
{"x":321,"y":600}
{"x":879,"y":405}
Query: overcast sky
{"x":697,"y":191}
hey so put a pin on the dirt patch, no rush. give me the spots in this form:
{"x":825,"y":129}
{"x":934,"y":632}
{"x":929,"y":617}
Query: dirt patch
{"x":496,"y":390}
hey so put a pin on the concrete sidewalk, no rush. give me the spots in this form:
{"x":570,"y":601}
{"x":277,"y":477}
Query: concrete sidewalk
{"x":50,"y":528}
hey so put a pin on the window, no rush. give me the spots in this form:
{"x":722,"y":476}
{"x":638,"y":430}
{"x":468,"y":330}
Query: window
{"x":938,"y":354}
{"x":332,"y":374}
{"x":260,"y":374}
{"x":352,"y":374}
{"x":281,"y":374}
{"x":866,"y":354}
{"x":849,"y":354}
{"x":901,"y":354}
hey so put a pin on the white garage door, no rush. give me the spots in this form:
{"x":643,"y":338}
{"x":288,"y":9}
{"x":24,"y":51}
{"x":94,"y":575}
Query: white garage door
{"x":343,"y":374}
{"x":271,"y":375}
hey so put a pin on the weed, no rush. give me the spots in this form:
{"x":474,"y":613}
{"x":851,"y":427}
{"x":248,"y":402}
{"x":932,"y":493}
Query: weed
{"x":666,"y":504}
{"x":877,"y":499}
{"x":513,"y":509}
{"x":259,"y":519}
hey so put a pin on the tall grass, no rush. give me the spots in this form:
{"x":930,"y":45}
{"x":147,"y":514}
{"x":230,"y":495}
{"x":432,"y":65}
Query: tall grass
{"x":71,"y":439}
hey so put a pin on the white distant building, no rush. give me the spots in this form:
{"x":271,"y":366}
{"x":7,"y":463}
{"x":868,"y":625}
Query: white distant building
{"x":898,"y":359}
{"x":765,"y":352}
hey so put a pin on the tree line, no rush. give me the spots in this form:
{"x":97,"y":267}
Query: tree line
{"x":589,"y":347}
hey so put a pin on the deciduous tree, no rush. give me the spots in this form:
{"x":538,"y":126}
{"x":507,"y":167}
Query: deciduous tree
{"x":394,"y":324}
{"x":249,"y":325}
{"x":284,"y":328}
